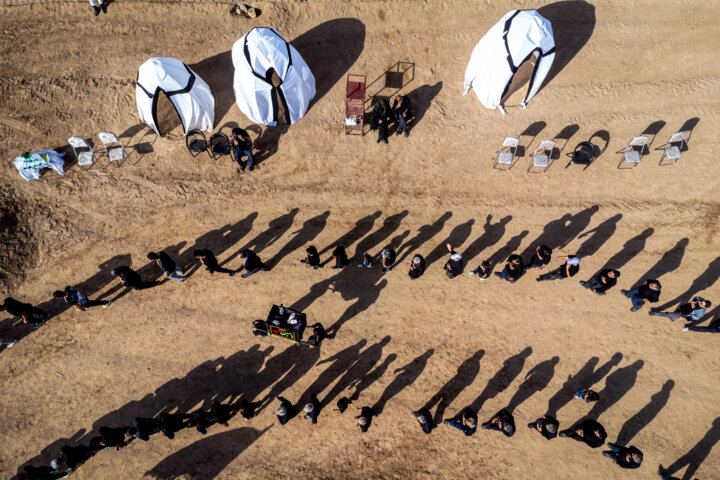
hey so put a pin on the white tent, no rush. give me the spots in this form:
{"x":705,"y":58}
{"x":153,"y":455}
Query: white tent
{"x":496,"y":58}
{"x":188,"y":92}
{"x":260,"y":55}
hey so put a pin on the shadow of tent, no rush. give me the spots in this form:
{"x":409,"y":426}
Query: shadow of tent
{"x":330,"y":49}
{"x":217,"y":71}
{"x":573,"y":22}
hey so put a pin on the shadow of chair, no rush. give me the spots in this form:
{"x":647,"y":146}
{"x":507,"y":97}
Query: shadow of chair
{"x":136,"y":142}
{"x":527,"y":137}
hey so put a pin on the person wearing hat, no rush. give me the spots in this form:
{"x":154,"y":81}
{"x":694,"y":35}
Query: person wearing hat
{"x":365,"y":418}
{"x":340,"y":257}
{"x":626,"y":457}
{"x":312,"y":409}
{"x":424,"y":418}
{"x":208,"y":259}
{"x":588,"y":431}
{"x":243,"y":148}
{"x":547,"y":425}
{"x":454,"y":266}
{"x":543,"y":255}
{"x":417,"y":267}
{"x":602,"y":282}
{"x":79,"y":299}
{"x":692,"y":312}
{"x":513,"y":269}
{"x":130,"y":278}
{"x":503,"y":421}
{"x":312,"y":258}
{"x":649,"y":290}
{"x":27,"y":312}
{"x":387,"y":257}
{"x":466,"y":422}
{"x":483,"y":271}
{"x":285,"y":411}
{"x":252,"y":263}
{"x":168,"y":266}
{"x":566,"y":270}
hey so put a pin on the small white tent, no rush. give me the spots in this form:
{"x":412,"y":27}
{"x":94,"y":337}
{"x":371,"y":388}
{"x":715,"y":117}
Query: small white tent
{"x":496,"y":58}
{"x":188,"y":92}
{"x":271,"y":78}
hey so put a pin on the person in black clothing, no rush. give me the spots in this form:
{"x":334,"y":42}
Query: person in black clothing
{"x":626,"y":457}
{"x":73,"y":457}
{"x":417,"y":267}
{"x":41,"y":473}
{"x":465,"y":421}
{"x":588,"y":431}
{"x":312,"y":409}
{"x":712,"y":327}
{"x":113,"y":437}
{"x":566,"y":270}
{"x":208,"y":259}
{"x":247,"y":409}
{"x":424,"y":418}
{"x":223,"y":413}
{"x":286,"y":411}
{"x":364,"y":420}
{"x":319,"y":334}
{"x":243,"y":148}
{"x":340,"y":257}
{"x":454,"y":266}
{"x":513,"y":269}
{"x":79,"y":299}
{"x":312,"y":258}
{"x":403,"y":113}
{"x":27,"y":312}
{"x":170,"y":423}
{"x":602,"y":282}
{"x":483,"y":271}
{"x":168,"y":266}
{"x":202,"y":420}
{"x":649,"y":290}
{"x":343,"y":404}
{"x":547,"y":425}
{"x":144,"y":428}
{"x":130,"y":278}
{"x":503,"y":421}
{"x":381,"y":118}
{"x":543,"y":255}
{"x":387,"y":258}
{"x":252,"y":263}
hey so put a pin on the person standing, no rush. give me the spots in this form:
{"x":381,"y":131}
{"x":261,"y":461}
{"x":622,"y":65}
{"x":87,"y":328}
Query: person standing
{"x":98,"y":6}
{"x":171,"y":423}
{"x":713,"y":327}
{"x":130,"y":278}
{"x":424,"y":418}
{"x":243,"y":148}
{"x":566,"y":270}
{"x":79,"y":299}
{"x":168,"y":266}
{"x":602,"y":282}
{"x":649,"y":290}
{"x":513,"y":270}
{"x":285,"y":411}
{"x":692,"y":312}
{"x":364,"y":420}
{"x":312,"y":258}
{"x":113,"y":437}
{"x":381,"y":119}
{"x":588,"y":431}
{"x":340,"y":257}
{"x":626,"y":457}
{"x":547,"y":425}
{"x":542,"y":256}
{"x":387,"y":257}
{"x":503,"y":421}
{"x":312,"y":409}
{"x":403,"y":113}
{"x":483,"y":271}
{"x":207,"y":258}
{"x":417,"y":267}
{"x":27,"y":312}
{"x":466,"y":422}
{"x":251,"y":263}
{"x":454,"y":266}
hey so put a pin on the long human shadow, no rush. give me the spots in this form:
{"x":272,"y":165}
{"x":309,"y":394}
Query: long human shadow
{"x":330,"y":49}
{"x":502,"y":379}
{"x":667,"y":263}
{"x":363,"y":301}
{"x":283,"y":370}
{"x":361,"y":228}
{"x":559,"y":233}
{"x":276,"y":229}
{"x":208,"y":457}
{"x":465,"y":376}
{"x":573,"y":22}
{"x":424,"y":234}
{"x":535,"y":381}
{"x":217,"y":73}
{"x":492,"y":233}
{"x":704,"y":281}
{"x":617,"y":385}
{"x":511,"y":246}
{"x":586,"y":377}
{"x":597,"y":236}
{"x":457,"y":237}
{"x":311,"y":228}
{"x":697,"y":454}
{"x":630,"y":249}
{"x":421,"y":98}
{"x":642,"y":419}
{"x":364,"y":382}
{"x":404,"y":376}
{"x":389,"y":226}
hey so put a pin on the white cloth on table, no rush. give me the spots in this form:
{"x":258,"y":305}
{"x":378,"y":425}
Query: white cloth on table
{"x":30,"y":166}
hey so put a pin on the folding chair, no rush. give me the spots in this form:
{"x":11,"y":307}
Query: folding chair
{"x":506,"y":153}
{"x":83,"y":152}
{"x":541,"y":157}
{"x":195,"y":142}
{"x":672,"y":150}
{"x":114,"y":149}
{"x":634,"y":150}
{"x":219,"y":145}
{"x":584,"y":154}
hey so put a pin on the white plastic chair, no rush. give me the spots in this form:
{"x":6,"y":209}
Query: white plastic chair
{"x":83,"y":152}
{"x":634,"y":150}
{"x":506,"y":153}
{"x":672,"y":150}
{"x":541,"y":157}
{"x":113,"y":147}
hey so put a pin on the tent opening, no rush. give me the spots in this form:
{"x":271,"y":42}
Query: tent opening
{"x":168,"y":118}
{"x":522,"y":77}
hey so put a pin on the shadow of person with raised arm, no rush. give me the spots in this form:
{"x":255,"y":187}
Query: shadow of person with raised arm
{"x":617,"y":384}
{"x":598,"y":236}
{"x":502,"y":379}
{"x":511,"y":246}
{"x":465,"y":376}
{"x":282,"y":371}
{"x":535,"y":381}
{"x":276,"y":229}
{"x":667,"y":263}
{"x":421,"y":99}
{"x":697,"y":454}
{"x":457,"y":237}
{"x":559,"y":233}
{"x":631,"y":248}
{"x":586,"y":377}
{"x":492,"y":233}
{"x":424,"y":234}
{"x":310,"y":229}
{"x":361,"y":228}
{"x":208,"y":457}
{"x":704,"y":281}
{"x":646,"y":415}
{"x":404,"y":376}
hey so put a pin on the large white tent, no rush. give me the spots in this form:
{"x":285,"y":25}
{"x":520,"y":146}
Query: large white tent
{"x":188,"y":92}
{"x":496,"y":58}
{"x":261,"y":57}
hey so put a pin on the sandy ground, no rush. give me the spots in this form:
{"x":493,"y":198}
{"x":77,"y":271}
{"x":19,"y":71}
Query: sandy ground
{"x":622,"y":67}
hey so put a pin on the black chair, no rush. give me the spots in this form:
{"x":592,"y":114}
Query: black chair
{"x":219,"y":145}
{"x":584,"y":154}
{"x":196,"y":143}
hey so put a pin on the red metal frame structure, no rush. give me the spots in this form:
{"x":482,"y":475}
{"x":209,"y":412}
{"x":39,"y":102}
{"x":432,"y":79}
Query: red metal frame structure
{"x":355,"y":103}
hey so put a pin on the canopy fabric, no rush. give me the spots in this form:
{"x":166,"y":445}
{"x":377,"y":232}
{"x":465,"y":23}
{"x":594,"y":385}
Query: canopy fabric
{"x":256,"y":56}
{"x":188,"y":92}
{"x":498,"y":54}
